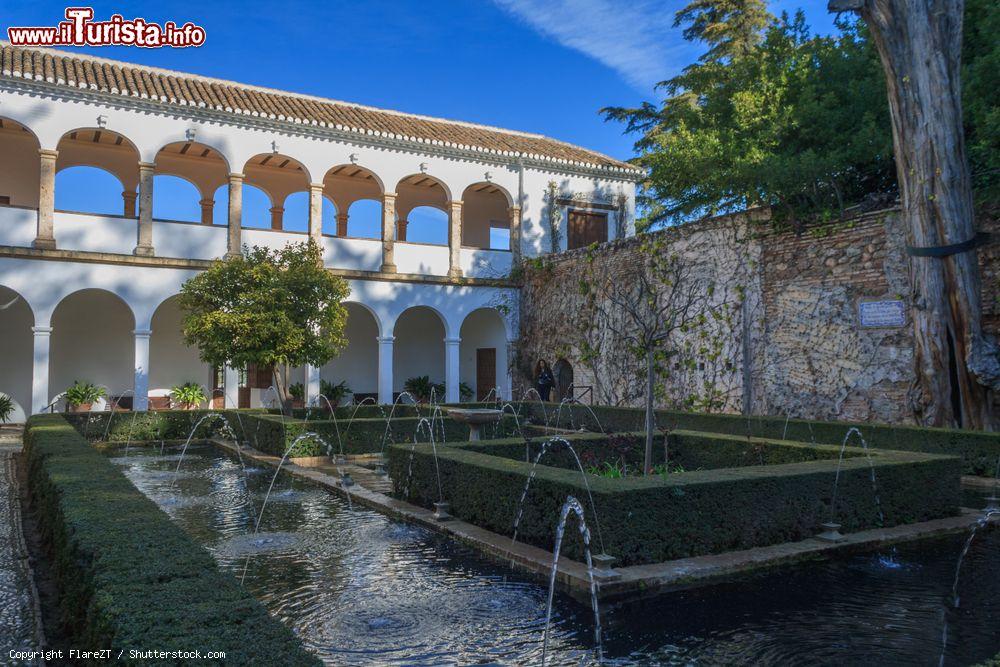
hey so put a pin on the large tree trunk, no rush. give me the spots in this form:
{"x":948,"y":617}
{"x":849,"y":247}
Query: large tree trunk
{"x":920,"y":44}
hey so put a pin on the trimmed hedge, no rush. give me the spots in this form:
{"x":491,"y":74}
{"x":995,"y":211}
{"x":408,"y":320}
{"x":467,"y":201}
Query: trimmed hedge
{"x":151,"y":425}
{"x":370,"y":411}
{"x":979,"y":450}
{"x":273,"y":434}
{"x":690,"y":449}
{"x":659,"y":518}
{"x":128,"y":577}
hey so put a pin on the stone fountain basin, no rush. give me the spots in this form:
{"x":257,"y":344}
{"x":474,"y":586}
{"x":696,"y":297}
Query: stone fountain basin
{"x":475,"y":416}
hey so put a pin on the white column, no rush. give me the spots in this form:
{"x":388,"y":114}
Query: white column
{"x":140,"y":397}
{"x":312,"y":385}
{"x":231,"y":385}
{"x":40,"y":369}
{"x":385,"y":369}
{"x":451,"y":374}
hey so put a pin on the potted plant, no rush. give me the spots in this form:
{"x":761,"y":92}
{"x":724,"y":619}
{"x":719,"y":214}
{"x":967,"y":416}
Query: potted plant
{"x":420,"y":388}
{"x":188,"y":395}
{"x":81,"y":396}
{"x":6,"y":408}
{"x":335,"y":393}
{"x":298,"y":393}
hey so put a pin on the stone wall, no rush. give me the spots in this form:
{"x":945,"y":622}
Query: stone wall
{"x":791,"y":341}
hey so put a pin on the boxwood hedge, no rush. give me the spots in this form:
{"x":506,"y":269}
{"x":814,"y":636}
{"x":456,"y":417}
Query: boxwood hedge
{"x":152,"y":425}
{"x":659,"y":518}
{"x":128,"y":577}
{"x":979,"y":450}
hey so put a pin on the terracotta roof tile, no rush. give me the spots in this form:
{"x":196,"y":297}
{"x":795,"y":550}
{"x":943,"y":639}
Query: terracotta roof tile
{"x":189,"y":90}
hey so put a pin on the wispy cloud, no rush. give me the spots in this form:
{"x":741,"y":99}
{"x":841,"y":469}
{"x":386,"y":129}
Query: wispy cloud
{"x":636,"y":39}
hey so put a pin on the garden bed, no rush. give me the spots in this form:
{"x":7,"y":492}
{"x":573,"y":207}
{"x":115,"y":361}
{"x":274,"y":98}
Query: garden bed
{"x":665,"y":517}
{"x":128,"y":578}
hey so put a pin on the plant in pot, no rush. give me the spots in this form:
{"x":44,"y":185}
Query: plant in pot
{"x":81,"y":396}
{"x":420,"y":388}
{"x":187,"y":396}
{"x":298,"y":393}
{"x":335,"y":393}
{"x":6,"y":408}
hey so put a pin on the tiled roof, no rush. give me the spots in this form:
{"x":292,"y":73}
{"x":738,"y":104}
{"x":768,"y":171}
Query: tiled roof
{"x":188,"y":90}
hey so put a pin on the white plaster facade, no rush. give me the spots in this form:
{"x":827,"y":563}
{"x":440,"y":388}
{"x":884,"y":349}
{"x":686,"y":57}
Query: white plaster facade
{"x":93,"y":292}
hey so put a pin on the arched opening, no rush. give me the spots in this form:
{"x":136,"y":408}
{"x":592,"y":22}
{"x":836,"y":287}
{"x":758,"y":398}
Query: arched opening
{"x":483,"y":353}
{"x":296,"y":213}
{"x":171,"y":361}
{"x":279,"y":176}
{"x":175,"y":199}
{"x":19,"y":165}
{"x":357,"y":365}
{"x":88,"y":156}
{"x":421,"y":205}
{"x":92,"y":341}
{"x":16,"y":320}
{"x":256,"y":207}
{"x":418,"y":349}
{"x":486,"y":217}
{"x":349,"y":184}
{"x":200,"y":165}
{"x":364,"y":219}
{"x":563,"y":372}
{"x":84,"y":189}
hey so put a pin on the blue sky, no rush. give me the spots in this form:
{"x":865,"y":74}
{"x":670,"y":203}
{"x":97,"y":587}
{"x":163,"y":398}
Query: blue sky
{"x":543,"y":66}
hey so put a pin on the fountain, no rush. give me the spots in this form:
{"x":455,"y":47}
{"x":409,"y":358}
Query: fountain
{"x":475,"y":418}
{"x":572,"y":505}
{"x":831,"y":529}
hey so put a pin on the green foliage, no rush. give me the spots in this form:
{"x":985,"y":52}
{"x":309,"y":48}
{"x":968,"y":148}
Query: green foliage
{"x":335,"y":393}
{"x":980,"y":102}
{"x":648,"y":519}
{"x":266,"y":307}
{"x":82,"y":392}
{"x":297,"y":391}
{"x":6,"y":408}
{"x":189,"y":393}
{"x":153,"y":425}
{"x":420,"y":388}
{"x":127,"y":577}
{"x":730,"y":28}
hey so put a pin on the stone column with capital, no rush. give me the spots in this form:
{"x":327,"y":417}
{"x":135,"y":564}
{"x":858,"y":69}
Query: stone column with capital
{"x":140,"y":389}
{"x":144,"y":244}
{"x":401,"y":229}
{"x":40,"y":369}
{"x":128,"y":203}
{"x":207,"y":211}
{"x":455,"y":239}
{"x":452,"y":380}
{"x":234,"y":245}
{"x":515,"y":233}
{"x":385,"y":369}
{"x":388,"y":231}
{"x":277,"y":217}
{"x":342,"y":224}
{"x":45,"y":234}
{"x":316,"y":212}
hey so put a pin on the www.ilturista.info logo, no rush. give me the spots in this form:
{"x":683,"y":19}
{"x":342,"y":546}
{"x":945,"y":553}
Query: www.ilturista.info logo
{"x":79,"y":29}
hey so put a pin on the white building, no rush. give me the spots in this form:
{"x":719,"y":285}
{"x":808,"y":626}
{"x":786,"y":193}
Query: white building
{"x":91,"y":295}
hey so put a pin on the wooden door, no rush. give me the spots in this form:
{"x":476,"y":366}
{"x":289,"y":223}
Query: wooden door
{"x":486,"y":371}
{"x":586,"y":228}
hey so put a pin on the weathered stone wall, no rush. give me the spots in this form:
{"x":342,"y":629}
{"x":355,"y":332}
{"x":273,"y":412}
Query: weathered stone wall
{"x":791,"y":312}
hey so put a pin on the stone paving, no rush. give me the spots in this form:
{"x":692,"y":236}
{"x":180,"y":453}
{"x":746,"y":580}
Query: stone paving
{"x":20,"y":621}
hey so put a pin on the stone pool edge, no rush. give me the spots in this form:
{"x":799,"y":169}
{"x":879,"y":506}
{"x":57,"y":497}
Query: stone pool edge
{"x":633,"y":582}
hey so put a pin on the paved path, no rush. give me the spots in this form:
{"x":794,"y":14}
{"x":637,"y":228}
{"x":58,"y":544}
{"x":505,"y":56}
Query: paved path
{"x":20,"y":623}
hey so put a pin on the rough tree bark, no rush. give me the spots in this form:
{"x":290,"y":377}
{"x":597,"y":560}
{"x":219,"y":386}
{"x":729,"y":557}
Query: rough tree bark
{"x":920,"y":44}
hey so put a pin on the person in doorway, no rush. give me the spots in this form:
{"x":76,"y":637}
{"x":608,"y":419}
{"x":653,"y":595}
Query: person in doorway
{"x":544,"y":379}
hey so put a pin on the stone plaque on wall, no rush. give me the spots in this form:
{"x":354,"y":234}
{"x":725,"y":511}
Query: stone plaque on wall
{"x":880,"y":314}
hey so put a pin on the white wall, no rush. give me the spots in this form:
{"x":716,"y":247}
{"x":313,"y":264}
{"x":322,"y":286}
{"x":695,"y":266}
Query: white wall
{"x":418,"y":348}
{"x":477,"y":263}
{"x":421,"y":258}
{"x":358,"y":363}
{"x":98,"y":233}
{"x":91,"y":341}
{"x":17,"y":225}
{"x":483,"y":328}
{"x":189,"y":240}
{"x":15,"y":361}
{"x":171,"y":362}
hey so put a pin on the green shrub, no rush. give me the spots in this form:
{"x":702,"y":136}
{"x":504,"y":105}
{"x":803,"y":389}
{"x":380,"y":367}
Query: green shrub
{"x":663,"y":517}
{"x":81,"y":393}
{"x":127,"y":576}
{"x":297,"y":391}
{"x":6,"y":408}
{"x":189,"y":393}
{"x":979,"y":450}
{"x":335,"y":393}
{"x":152,"y":425}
